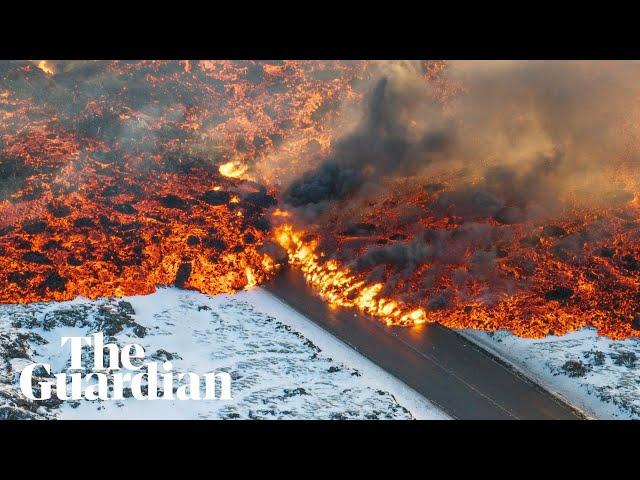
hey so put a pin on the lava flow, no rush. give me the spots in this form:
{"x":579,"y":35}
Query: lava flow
{"x":339,"y":286}
{"x":117,"y":177}
{"x":473,"y":195}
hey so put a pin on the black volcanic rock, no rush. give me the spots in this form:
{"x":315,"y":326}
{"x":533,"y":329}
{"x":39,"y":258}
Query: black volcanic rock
{"x":559,"y":293}
{"x":35,"y":257}
{"x":59,"y":210}
{"x":215,"y":243}
{"x":125,"y":208}
{"x":631,"y":263}
{"x":74,"y":261}
{"x":35,"y":227}
{"x":216,"y":197}
{"x":173,"y":201}
{"x":20,"y":278}
{"x":54,"y":282}
{"x":553,"y":231}
{"x":192,"y":240}
{"x":359,"y":229}
{"x":606,"y":252}
{"x":83,"y":222}
{"x":261,"y":199}
{"x":183,"y":274}
{"x":575,"y":368}
{"x":262,"y":224}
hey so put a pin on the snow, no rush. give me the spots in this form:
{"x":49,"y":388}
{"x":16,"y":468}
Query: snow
{"x":283,"y":366}
{"x":602,"y":378}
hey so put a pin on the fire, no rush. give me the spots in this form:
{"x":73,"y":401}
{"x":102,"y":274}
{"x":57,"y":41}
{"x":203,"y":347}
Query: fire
{"x":46,"y":67}
{"x":130,"y":175}
{"x":233,"y":169}
{"x":339,"y":286}
{"x":113,"y":191}
{"x":251,"y":278}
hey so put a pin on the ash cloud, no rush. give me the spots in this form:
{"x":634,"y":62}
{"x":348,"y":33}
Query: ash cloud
{"x":524,"y":133}
{"x":385,"y":142}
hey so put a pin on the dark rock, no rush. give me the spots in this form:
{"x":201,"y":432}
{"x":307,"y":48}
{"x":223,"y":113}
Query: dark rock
{"x":626,"y":359}
{"x":216,"y":197}
{"x":59,"y":210}
{"x":553,"y":231}
{"x":216,"y":243}
{"x":74,"y":261}
{"x":276,"y":139}
{"x":162,"y":355}
{"x":606,"y":252}
{"x":192,"y":240}
{"x":83,"y":222}
{"x":35,"y":257}
{"x":262,"y":224}
{"x":559,"y":293}
{"x":140,"y":331}
{"x":261,"y":199}
{"x":438,"y":302}
{"x":36,"y":227}
{"x":173,"y":201}
{"x":111,"y":191}
{"x":68,"y":317}
{"x":20,"y":278}
{"x":360,"y":229}
{"x":631,"y":263}
{"x":52,"y":245}
{"x":9,"y":412}
{"x":22,"y":244}
{"x":125,"y":208}
{"x":532,"y":241}
{"x":597,"y":357}
{"x":575,"y":368}
{"x":259,"y":141}
{"x":54,"y":282}
{"x":249,"y":238}
{"x":183,"y":274}
{"x":126,"y":308}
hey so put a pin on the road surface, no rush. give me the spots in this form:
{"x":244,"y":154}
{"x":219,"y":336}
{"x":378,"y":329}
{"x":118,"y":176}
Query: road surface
{"x":456,"y":375}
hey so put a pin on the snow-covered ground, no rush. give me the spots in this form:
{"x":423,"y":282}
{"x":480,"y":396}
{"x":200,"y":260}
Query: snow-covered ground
{"x":282,"y":365}
{"x":598,"y":375}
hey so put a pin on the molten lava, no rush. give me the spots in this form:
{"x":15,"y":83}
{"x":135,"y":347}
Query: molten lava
{"x":117,"y":177}
{"x":339,"y":286}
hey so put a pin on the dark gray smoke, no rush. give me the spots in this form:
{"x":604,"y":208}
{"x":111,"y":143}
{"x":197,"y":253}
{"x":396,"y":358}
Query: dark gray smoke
{"x":384,"y":143}
{"x":525,"y":133}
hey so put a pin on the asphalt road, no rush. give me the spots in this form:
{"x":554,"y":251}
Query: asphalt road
{"x":456,"y":375}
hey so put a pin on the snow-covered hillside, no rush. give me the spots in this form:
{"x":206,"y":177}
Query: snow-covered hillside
{"x":596,"y":374}
{"x":282,"y":365}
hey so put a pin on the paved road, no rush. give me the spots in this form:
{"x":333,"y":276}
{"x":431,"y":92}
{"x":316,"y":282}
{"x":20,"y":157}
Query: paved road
{"x":456,"y":375}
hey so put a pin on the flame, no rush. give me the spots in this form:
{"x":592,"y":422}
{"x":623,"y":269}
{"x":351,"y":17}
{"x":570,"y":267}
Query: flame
{"x":251,"y":278}
{"x":233,"y":169}
{"x":46,"y":67}
{"x":339,"y":286}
